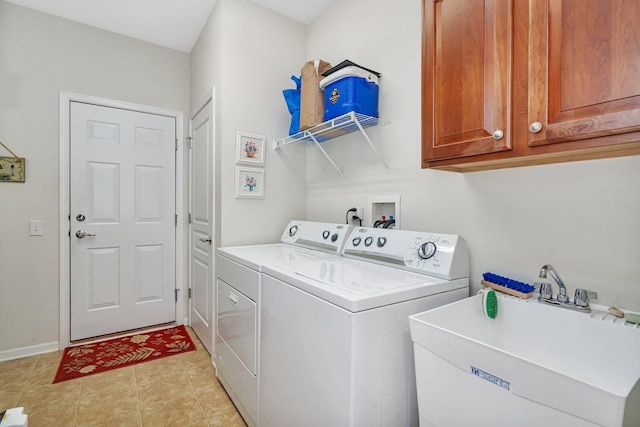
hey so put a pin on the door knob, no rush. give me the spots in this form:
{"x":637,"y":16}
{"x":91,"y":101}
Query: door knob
{"x":207,"y":240}
{"x":498,"y":134}
{"x":81,"y":234}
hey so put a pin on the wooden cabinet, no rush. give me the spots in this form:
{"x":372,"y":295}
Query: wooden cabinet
{"x":466,"y":73}
{"x":513,"y":82}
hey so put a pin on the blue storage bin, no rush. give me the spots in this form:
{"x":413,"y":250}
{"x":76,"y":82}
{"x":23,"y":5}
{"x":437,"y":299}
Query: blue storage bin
{"x":350,"y":89}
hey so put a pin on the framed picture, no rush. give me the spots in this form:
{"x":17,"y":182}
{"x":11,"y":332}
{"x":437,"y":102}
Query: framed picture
{"x":12,"y":169}
{"x":249,"y":183}
{"x":250,"y":149}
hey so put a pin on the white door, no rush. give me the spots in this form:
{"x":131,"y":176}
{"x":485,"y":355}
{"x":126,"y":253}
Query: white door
{"x":202,"y":218}
{"x":122,"y":220}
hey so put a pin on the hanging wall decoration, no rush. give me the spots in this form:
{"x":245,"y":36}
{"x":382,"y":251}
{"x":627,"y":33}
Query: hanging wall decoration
{"x":250,"y":149}
{"x":12,"y":169}
{"x":249,"y":183}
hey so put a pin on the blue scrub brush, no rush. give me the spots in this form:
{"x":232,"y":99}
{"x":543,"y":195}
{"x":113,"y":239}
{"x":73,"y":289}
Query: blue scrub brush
{"x":508,"y":286}
{"x":489,"y":303}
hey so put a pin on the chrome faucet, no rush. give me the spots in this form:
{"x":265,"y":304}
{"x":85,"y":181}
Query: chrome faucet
{"x":581,"y":299}
{"x":562,"y":292}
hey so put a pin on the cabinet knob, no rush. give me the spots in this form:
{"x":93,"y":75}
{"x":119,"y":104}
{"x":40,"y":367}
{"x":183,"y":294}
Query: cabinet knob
{"x":535,"y":127}
{"x":498,"y":134}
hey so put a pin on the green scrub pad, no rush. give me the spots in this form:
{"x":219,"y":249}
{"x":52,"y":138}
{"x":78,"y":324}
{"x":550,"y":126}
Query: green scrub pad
{"x":490,"y":303}
{"x":632,"y":318}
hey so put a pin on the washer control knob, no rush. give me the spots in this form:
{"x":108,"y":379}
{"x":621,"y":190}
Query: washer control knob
{"x":356,"y":241}
{"x":381,"y":241}
{"x":427,"y":250}
{"x":293,"y":230}
{"x":334,"y":237}
{"x":325,"y":234}
{"x":368,"y":241}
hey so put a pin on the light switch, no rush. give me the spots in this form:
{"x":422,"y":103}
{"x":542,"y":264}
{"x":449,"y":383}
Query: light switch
{"x":36,"y":227}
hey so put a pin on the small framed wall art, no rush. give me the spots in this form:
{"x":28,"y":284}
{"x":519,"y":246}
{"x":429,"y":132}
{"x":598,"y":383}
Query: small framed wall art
{"x":249,"y":183}
{"x":12,"y":169}
{"x":250,"y":149}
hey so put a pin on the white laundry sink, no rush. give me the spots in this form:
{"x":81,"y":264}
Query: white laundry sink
{"x":533,"y":365}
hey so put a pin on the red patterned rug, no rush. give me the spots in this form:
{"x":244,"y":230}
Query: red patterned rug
{"x":88,"y":359}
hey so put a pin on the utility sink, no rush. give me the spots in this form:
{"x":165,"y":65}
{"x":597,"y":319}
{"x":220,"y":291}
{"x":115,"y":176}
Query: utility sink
{"x":532,"y":365}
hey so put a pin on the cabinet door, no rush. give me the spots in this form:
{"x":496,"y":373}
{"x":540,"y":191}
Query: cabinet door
{"x":584,"y":69}
{"x":466,"y":62}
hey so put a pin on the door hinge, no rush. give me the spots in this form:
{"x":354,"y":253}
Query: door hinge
{"x":176,"y":292}
{"x":176,"y":220}
{"x":189,"y":217}
{"x":189,"y":293}
{"x":189,"y":142}
{"x":176,"y":144}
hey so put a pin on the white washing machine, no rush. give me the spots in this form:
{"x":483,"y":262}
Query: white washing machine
{"x":238,"y":302}
{"x":335,"y":343}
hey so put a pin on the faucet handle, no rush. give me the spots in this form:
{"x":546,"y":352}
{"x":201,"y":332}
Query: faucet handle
{"x":545,"y":290}
{"x":583,"y":296}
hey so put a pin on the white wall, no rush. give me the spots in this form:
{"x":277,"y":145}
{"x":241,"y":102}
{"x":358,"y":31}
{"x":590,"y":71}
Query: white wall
{"x":582,"y":217}
{"x":248,"y":52}
{"x":40,"y":55}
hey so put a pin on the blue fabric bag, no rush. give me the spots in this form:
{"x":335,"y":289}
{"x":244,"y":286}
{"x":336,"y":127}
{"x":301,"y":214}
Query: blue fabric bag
{"x":292,"y":98}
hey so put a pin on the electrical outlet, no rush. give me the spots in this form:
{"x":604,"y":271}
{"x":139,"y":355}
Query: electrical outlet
{"x":36,"y":227}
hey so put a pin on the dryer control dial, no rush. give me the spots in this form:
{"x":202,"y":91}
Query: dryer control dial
{"x":381,"y":241}
{"x":356,"y":241}
{"x":293,"y":230}
{"x":334,"y":237}
{"x":325,"y":234}
{"x":427,"y":250}
{"x":368,"y":241}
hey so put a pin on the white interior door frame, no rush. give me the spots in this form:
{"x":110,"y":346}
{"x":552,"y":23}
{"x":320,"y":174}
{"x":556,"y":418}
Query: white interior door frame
{"x":64,"y":144}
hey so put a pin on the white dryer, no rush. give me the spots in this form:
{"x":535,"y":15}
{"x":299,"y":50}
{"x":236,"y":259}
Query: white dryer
{"x":335,"y":343}
{"x":237,"y":351}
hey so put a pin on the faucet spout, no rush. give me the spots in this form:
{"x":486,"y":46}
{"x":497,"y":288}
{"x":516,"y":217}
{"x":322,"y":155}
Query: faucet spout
{"x":562,"y":293}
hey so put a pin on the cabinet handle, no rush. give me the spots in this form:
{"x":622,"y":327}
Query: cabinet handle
{"x":535,"y":127}
{"x":498,"y":134}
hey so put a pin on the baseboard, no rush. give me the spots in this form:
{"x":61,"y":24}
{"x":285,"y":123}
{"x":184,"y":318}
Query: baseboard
{"x":18,"y":353}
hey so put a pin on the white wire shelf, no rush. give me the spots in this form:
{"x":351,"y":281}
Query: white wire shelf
{"x":331,"y":129}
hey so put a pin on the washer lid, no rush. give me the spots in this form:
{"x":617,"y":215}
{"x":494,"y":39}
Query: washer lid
{"x":357,"y":285}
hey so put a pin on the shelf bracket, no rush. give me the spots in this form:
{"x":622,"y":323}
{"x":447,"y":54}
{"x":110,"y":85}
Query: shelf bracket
{"x":373,"y":147}
{"x":315,"y":141}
